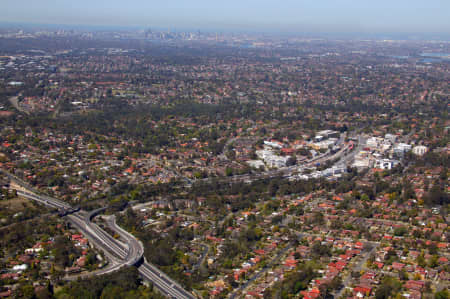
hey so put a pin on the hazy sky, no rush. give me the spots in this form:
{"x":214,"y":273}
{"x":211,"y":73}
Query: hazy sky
{"x":285,"y":15}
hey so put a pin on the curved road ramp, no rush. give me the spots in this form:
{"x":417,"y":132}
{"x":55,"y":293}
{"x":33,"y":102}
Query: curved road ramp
{"x":127,"y":253}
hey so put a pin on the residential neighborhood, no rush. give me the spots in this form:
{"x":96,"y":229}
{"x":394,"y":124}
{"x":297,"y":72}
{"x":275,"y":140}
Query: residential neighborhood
{"x":153,"y":164}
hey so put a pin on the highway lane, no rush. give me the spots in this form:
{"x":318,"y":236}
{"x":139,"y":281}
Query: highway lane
{"x":116,"y":261}
{"x":114,"y":251}
{"x":134,"y":254}
{"x":135,"y":247}
{"x":48,"y":201}
{"x":163,"y":283}
{"x":119,"y":254}
{"x":98,"y":240}
{"x":110,"y":268}
{"x":159,"y":283}
{"x":118,"y":246}
{"x":31,"y":191}
{"x":113,"y":244}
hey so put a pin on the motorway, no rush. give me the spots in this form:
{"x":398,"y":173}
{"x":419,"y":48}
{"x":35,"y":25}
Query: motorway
{"x":118,"y":254}
{"x":132,"y":252}
{"x":135,"y":247}
{"x":135,"y":252}
{"x":164,"y":283}
{"x":40,"y":199}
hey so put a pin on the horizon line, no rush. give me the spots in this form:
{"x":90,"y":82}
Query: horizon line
{"x":224,"y":29}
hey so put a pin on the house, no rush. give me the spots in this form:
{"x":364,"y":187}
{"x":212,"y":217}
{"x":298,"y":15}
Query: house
{"x":290,"y":262}
{"x":413,"y":294}
{"x":379,"y":265}
{"x":5,"y":294}
{"x":417,"y":285}
{"x":81,"y":262}
{"x":312,"y":294}
{"x":20,"y":268}
{"x":253,"y":294}
{"x":9,"y":276}
{"x":216,"y":291}
{"x":239,"y":273}
{"x":362,"y":291}
{"x":398,"y":266}
{"x":419,"y":150}
{"x":340,"y":265}
{"x":359,"y":245}
{"x":76,"y":237}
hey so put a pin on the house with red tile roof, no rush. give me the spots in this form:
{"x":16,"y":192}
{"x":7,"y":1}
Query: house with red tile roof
{"x":312,"y":294}
{"x":417,"y":285}
{"x":362,"y":291}
{"x":398,"y":266}
{"x":5,"y":294}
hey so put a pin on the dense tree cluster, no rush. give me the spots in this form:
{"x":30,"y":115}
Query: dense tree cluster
{"x":125,"y":283}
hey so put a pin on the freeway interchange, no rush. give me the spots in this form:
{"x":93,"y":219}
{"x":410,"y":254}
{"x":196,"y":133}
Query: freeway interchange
{"x":130,"y":253}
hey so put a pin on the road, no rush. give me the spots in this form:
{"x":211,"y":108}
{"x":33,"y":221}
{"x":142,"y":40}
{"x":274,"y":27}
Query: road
{"x":52,"y":203}
{"x":117,"y":253}
{"x":260,"y":273}
{"x":288,"y":171}
{"x":15,"y":102}
{"x":348,"y":158}
{"x":132,"y":252}
{"x":135,"y":247}
{"x":203,"y":256}
{"x":98,"y":239}
{"x":357,"y":268}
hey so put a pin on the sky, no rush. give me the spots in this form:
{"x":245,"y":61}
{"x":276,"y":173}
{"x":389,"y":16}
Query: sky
{"x":384,"y":16}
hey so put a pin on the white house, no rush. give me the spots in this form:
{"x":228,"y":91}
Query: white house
{"x":419,"y":150}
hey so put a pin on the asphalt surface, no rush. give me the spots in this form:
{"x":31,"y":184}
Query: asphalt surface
{"x":132,"y":253}
{"x":117,"y":253}
{"x":260,"y":273}
{"x":357,"y":267}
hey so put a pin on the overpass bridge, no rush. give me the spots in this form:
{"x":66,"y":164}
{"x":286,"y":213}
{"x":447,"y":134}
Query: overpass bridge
{"x":129,"y":254}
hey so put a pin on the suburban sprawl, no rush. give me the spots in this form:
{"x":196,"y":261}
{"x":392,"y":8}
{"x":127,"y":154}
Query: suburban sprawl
{"x":153,"y":164}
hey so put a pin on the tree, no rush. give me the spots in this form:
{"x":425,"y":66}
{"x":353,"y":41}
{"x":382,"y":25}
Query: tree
{"x":443,"y":294}
{"x":403,"y":275}
{"x":44,"y":292}
{"x":437,"y":195}
{"x":336,"y":283}
{"x":421,"y":260}
{"x":26,"y":291}
{"x":389,"y":287}
{"x":320,"y":250}
{"x":318,"y":218}
{"x":122,"y":284}
{"x":400,"y":231}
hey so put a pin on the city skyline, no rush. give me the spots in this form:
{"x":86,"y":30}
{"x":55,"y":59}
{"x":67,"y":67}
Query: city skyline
{"x":343,"y":16}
